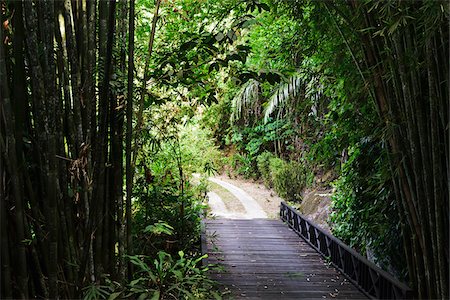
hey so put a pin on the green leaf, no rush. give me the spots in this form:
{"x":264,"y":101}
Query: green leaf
{"x":216,"y":295}
{"x":143,"y":296}
{"x":264,"y":6}
{"x":114,"y":296}
{"x":178,"y":274}
{"x":243,"y":48}
{"x":155,"y":295}
{"x":187,"y":46}
{"x":235,"y":56}
{"x":134,"y":282}
{"x":213,"y":66}
{"x":159,"y":228}
{"x":220,"y":36}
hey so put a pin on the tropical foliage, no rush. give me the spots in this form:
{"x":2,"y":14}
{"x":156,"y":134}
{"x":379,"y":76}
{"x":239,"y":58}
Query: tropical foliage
{"x":362,"y":91}
{"x":108,"y":107}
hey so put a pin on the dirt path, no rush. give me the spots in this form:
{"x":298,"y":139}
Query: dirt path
{"x":241,"y":199}
{"x":219,"y":209}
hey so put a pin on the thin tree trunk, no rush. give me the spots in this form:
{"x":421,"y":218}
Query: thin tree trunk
{"x":85,"y":67}
{"x":50,"y":124}
{"x":118,"y":115}
{"x":11,"y":159}
{"x":413,"y":160}
{"x":6,"y":285}
{"x":92,"y":115}
{"x":19,"y":92}
{"x":107,"y":24}
{"x":441,"y":265}
{"x":129,"y":114}
{"x":75,"y":76}
{"x":97,"y":208}
{"x":138,"y":127}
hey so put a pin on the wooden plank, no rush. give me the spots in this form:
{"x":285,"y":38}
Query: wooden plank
{"x":264,"y":259}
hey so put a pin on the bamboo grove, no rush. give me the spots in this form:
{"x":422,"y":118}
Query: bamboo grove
{"x":407,"y":65}
{"x":63,"y":92}
{"x":401,"y":51}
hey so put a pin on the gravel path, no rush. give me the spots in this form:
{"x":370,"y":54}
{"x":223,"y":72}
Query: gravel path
{"x":219,"y":209}
{"x":237,"y":198}
{"x":266,"y":198}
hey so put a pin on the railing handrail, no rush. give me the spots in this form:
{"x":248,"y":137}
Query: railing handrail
{"x":405,"y":291}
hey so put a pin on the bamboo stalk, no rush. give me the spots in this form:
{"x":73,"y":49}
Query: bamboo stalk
{"x":6,"y":284}
{"x":413,"y":158}
{"x":51,"y":169}
{"x":441,"y":265}
{"x":139,"y":117}
{"x":75,"y":76}
{"x":11,"y":165}
{"x":119,"y":164}
{"x":128,"y":151}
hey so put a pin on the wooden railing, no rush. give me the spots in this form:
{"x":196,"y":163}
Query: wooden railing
{"x":203,"y":243}
{"x":373,"y":281}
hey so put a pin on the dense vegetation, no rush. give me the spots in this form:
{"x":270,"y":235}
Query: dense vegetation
{"x":364,"y":93}
{"x":108,"y":107}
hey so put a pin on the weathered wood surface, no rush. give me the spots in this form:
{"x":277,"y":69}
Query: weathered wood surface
{"x":264,"y":259}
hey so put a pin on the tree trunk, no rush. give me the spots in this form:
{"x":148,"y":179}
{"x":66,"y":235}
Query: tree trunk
{"x":412,"y":101}
{"x":9,"y":153}
{"x":129,"y":114}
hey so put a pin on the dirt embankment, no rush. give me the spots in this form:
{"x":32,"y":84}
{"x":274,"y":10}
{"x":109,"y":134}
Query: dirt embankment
{"x":316,"y":205}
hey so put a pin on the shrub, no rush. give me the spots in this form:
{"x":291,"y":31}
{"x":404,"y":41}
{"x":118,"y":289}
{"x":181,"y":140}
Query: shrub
{"x":263,"y":163}
{"x":364,"y":209}
{"x":288,"y":178}
{"x":276,"y":165}
{"x":160,"y":196}
{"x":167,"y":278}
{"x":198,"y":151}
{"x":244,"y":165}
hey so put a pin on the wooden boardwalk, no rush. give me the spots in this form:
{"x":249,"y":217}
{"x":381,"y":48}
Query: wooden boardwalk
{"x":264,"y":259}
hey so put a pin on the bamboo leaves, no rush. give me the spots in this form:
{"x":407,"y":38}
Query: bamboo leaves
{"x":410,"y":100}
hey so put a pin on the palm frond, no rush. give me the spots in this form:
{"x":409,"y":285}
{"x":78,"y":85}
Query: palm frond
{"x":247,"y":95}
{"x":283,"y":94}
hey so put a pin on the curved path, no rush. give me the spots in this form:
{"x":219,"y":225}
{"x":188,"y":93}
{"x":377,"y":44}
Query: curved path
{"x":252,"y":209}
{"x":219,"y":209}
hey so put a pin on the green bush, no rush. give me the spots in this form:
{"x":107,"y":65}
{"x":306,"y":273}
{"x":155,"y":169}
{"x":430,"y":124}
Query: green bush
{"x":288,"y":178}
{"x":163,"y":192}
{"x":263,"y":163}
{"x":165,"y":204}
{"x":276,"y":166}
{"x":244,"y":165}
{"x":198,"y":151}
{"x":364,"y":210}
{"x":164,"y":277}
